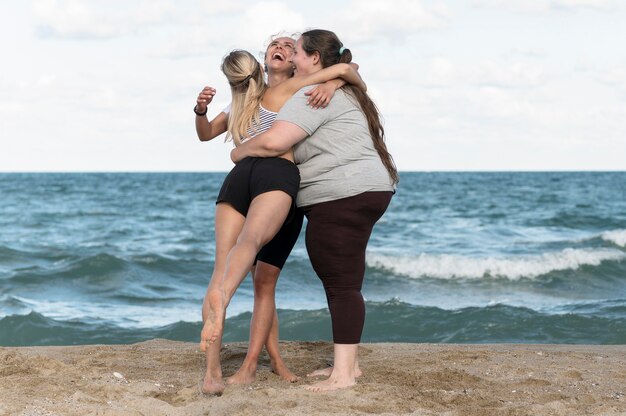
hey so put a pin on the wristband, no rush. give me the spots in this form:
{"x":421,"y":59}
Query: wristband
{"x":195,"y":110}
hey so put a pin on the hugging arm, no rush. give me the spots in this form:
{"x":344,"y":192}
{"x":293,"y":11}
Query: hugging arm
{"x":331,"y":79}
{"x":320,"y":95}
{"x":274,"y":142}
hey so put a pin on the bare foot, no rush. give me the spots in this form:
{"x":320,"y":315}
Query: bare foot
{"x":326,"y":372}
{"x":244,"y":375}
{"x":213,"y":384}
{"x":281,"y":370}
{"x":213,"y":325}
{"x":332,"y":383}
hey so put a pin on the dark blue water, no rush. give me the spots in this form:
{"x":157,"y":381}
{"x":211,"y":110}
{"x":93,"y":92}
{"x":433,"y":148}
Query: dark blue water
{"x":459,"y":257}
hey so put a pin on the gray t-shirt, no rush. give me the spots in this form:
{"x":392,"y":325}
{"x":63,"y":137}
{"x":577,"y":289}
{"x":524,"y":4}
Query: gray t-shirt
{"x":338,"y":159}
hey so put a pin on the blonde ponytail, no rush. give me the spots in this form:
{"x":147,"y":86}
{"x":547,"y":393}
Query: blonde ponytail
{"x":247,"y":84}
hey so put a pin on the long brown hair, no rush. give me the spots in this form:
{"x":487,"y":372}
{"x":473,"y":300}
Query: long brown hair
{"x":328,"y":45}
{"x":247,"y":85}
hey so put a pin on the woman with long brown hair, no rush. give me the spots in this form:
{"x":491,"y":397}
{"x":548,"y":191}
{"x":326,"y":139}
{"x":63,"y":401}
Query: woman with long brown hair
{"x":347,"y":180}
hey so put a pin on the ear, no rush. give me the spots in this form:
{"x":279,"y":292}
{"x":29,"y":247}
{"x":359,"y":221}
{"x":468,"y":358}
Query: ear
{"x":316,"y":58}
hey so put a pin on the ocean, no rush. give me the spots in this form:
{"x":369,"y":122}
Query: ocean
{"x":112,"y":258}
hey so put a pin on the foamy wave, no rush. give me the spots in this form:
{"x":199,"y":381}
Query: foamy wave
{"x":446,"y":266}
{"x":617,"y":237}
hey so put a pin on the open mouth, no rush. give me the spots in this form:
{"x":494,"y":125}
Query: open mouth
{"x":278,"y":57}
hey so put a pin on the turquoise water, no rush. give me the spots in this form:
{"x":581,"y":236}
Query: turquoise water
{"x":458,"y":257}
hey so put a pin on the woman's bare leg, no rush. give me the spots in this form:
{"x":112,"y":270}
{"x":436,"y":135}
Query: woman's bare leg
{"x":228,"y":225}
{"x":263,"y":328}
{"x":343,"y":374}
{"x":266,"y":215}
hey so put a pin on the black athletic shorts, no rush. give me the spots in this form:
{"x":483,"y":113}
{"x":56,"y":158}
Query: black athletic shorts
{"x":278,"y":249}
{"x":254,"y":176}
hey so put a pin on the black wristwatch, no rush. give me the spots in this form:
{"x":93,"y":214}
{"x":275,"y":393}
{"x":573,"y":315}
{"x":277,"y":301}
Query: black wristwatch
{"x":195,"y":110}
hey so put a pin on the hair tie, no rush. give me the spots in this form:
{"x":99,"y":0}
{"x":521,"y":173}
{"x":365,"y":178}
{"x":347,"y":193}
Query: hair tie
{"x":246,"y":79}
{"x":341,"y":50}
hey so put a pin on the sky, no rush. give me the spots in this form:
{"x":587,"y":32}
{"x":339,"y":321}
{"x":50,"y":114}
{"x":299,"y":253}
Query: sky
{"x":475,"y":85}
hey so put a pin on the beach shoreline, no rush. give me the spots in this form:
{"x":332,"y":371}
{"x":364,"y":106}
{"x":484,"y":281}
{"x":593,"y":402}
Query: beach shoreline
{"x":162,"y":377}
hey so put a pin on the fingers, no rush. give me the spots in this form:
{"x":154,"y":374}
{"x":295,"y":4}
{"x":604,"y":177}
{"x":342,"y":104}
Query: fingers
{"x":206,"y":96}
{"x":317,"y":98}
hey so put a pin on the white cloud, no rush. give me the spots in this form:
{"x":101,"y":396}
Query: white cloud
{"x":539,"y":6}
{"x":263,"y":19}
{"x":507,"y":74}
{"x":614,"y":77}
{"x":74,"y":19}
{"x":393,"y":20}
{"x":443,"y":72}
{"x":207,"y":33}
{"x":78,"y":19}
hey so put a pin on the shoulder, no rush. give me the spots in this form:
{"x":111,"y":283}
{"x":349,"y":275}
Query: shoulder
{"x":301,"y":91}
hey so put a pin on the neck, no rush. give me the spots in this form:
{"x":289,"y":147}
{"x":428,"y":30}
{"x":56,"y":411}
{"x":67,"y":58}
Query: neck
{"x":275,"y":78}
{"x":314,"y":69}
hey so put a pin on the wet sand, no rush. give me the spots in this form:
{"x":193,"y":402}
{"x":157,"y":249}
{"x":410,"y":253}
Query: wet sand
{"x":162,"y":377}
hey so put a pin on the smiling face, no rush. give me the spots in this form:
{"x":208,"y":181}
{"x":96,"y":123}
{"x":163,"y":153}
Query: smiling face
{"x":305,"y":64}
{"x":278,"y":54}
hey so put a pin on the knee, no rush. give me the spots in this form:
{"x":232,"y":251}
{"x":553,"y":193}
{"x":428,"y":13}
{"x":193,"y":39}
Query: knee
{"x":251,"y":242}
{"x":344,"y":295}
{"x":265,"y":282}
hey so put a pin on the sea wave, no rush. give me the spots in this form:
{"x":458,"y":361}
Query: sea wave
{"x":617,"y":237}
{"x":391,"y":321}
{"x":449,"y":266}
{"x":97,"y":269}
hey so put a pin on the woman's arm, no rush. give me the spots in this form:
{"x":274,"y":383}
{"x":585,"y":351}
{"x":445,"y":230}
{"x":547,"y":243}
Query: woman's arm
{"x":274,"y":142}
{"x":320,"y":95}
{"x":206,"y":129}
{"x":344,"y":71}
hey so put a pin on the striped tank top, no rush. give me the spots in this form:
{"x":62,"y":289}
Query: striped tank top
{"x":266,"y":119}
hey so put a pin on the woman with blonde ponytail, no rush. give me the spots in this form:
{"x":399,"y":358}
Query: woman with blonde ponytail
{"x":257,"y":196}
{"x":347,"y":180}
{"x":247,"y":93}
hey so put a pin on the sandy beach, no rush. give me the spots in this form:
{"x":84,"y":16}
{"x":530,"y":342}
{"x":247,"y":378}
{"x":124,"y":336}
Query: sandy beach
{"x":162,"y":377}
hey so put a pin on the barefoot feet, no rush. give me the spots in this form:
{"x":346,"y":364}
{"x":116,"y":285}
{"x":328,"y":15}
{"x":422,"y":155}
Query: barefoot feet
{"x":326,"y":372}
{"x":213,"y":383}
{"x":279,"y":368}
{"x":332,"y":383}
{"x":245,"y":375}
{"x":335,"y":381}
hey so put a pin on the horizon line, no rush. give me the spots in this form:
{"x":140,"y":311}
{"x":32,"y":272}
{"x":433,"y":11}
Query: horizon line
{"x":400,"y":171}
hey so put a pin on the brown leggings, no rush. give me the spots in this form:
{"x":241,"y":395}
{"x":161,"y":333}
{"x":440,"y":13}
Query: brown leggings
{"x":336,"y":238}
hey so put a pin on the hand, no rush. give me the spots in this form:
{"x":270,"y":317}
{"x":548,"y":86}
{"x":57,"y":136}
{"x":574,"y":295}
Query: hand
{"x":204,"y":98}
{"x":234,"y":155}
{"x":321,"y":95}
